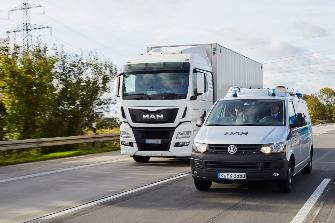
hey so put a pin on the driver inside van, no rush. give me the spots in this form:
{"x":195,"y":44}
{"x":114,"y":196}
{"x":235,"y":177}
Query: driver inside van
{"x":275,"y":112}
{"x":239,"y":116}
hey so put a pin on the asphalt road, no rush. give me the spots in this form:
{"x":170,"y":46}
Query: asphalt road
{"x":36,"y":189}
{"x":31,"y":190}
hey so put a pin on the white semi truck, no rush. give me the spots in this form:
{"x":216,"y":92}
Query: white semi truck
{"x":162,"y":94}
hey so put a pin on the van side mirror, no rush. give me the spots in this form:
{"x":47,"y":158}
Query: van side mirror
{"x":199,"y":123}
{"x":201,"y":120}
{"x":299,"y":121}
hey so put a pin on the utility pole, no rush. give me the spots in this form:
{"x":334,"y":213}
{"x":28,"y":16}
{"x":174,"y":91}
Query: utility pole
{"x":26,"y":28}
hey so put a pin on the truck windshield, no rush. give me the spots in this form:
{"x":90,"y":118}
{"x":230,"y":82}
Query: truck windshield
{"x":247,"y":112}
{"x":159,"y":81}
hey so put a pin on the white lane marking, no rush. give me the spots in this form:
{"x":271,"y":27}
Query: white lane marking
{"x":58,"y":171}
{"x":307,"y":207}
{"x":90,"y":204}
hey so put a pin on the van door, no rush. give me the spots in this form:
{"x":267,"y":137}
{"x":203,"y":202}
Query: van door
{"x":294,"y":136}
{"x":305,"y":132}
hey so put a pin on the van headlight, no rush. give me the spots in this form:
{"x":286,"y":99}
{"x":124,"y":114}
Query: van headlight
{"x":273,"y":148}
{"x":125,"y":134}
{"x":199,"y":147}
{"x":184,"y":135}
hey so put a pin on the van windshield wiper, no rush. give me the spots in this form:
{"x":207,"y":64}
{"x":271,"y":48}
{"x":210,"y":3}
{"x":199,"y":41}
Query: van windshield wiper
{"x":216,"y":125}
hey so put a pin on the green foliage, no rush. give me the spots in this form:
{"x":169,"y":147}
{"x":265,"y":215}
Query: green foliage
{"x":107,"y":123}
{"x":322,"y":105}
{"x":46,"y":94}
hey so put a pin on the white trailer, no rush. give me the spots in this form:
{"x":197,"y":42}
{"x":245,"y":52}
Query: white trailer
{"x":163,"y":93}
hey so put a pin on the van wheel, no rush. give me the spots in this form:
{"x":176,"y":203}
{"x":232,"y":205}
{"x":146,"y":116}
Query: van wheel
{"x":141,"y":159}
{"x":285,"y":186}
{"x":308,"y":168}
{"x":202,"y":185}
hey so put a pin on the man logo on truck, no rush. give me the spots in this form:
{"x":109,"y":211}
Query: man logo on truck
{"x":232,"y":149}
{"x":153,"y":116}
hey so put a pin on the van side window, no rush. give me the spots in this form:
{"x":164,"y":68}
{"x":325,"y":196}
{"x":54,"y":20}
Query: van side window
{"x":291,"y":112}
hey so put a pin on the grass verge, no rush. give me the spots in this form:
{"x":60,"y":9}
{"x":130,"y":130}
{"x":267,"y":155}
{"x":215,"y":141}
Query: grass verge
{"x":12,"y":157}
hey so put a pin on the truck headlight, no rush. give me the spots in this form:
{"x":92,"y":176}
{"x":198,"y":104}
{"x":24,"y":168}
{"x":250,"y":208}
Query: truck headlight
{"x":199,"y":147}
{"x":184,"y":135}
{"x":273,"y":148}
{"x":125,"y":134}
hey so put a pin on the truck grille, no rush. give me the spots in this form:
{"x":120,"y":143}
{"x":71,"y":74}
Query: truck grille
{"x":241,"y":148}
{"x":159,"y":116}
{"x":237,"y":165}
{"x":164,"y":134}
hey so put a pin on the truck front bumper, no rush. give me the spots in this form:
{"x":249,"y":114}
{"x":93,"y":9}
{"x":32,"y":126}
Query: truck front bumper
{"x":135,"y":144}
{"x":260,"y":167}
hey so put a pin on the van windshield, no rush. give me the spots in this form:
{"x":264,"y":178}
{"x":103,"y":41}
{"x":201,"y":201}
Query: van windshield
{"x":247,"y":112}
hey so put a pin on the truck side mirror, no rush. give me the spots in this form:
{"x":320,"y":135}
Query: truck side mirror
{"x":200,"y":83}
{"x":116,"y":86}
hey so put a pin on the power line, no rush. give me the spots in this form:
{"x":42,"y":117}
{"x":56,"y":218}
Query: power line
{"x":26,"y":28}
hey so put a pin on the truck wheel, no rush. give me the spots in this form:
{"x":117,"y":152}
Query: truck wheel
{"x":202,"y":185}
{"x":308,"y":168}
{"x":285,"y":186}
{"x":141,"y":159}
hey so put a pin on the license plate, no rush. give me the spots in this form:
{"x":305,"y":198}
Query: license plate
{"x":232,"y":176}
{"x":153,"y":141}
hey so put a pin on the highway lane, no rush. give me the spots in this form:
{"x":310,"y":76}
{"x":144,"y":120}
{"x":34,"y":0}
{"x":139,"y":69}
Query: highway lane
{"x":35,"y":189}
{"x":180,"y":202}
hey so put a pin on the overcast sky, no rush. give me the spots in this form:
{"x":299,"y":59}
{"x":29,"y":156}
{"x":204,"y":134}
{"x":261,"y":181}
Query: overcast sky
{"x":293,"y":39}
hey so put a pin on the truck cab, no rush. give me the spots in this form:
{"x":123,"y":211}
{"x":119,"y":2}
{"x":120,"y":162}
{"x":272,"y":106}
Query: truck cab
{"x":254,"y":135}
{"x":162,"y":96}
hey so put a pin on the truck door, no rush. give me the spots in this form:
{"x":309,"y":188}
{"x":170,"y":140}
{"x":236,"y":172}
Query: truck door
{"x":202,"y":100}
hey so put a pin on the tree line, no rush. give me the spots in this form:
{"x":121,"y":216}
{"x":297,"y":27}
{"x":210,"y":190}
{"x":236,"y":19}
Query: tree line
{"x":49,"y":92}
{"x":322,"y":105}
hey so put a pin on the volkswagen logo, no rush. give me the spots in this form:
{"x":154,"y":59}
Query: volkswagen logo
{"x":232,"y":149}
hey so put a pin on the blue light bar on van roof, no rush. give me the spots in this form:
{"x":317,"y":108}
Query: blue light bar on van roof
{"x":299,"y":94}
{"x":234,"y":92}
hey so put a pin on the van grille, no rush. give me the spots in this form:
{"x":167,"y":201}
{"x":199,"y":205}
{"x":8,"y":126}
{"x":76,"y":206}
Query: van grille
{"x":197,"y":163}
{"x":237,"y":165}
{"x":241,"y":148}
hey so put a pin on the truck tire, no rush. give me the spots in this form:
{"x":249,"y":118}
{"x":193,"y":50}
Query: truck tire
{"x":285,"y":186}
{"x":141,"y":159}
{"x":202,"y":185}
{"x":308,"y":168}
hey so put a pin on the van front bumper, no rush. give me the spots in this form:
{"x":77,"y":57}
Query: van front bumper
{"x":257,"y":167}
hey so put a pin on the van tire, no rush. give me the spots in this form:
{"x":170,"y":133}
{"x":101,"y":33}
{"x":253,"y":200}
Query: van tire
{"x":308,"y":168}
{"x":285,"y":186}
{"x":202,"y":185}
{"x":141,"y":159}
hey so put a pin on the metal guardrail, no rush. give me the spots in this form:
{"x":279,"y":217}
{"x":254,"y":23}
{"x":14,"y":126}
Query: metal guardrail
{"x":57,"y":141}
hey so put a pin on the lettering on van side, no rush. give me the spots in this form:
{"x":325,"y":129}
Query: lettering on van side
{"x":236,"y":133}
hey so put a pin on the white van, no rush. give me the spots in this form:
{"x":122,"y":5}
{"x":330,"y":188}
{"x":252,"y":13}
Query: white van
{"x":253,"y":135}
